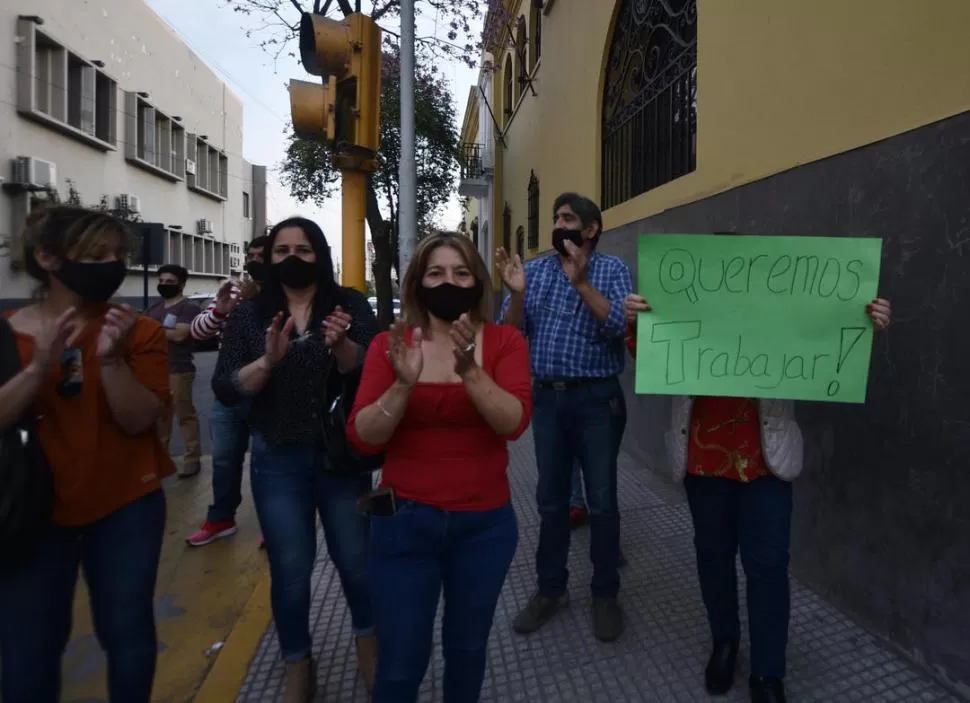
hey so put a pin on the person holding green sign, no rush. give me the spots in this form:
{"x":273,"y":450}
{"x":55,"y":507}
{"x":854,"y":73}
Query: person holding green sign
{"x":737,"y":458}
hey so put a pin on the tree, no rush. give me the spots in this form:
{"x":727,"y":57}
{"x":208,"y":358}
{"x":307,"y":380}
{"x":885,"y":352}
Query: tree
{"x":309,"y":174}
{"x":307,"y":169}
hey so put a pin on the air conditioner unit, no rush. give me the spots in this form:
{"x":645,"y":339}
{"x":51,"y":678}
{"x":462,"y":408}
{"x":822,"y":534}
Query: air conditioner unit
{"x":203,"y":226}
{"x":129,"y":202}
{"x":190,"y":167}
{"x":34,"y":173}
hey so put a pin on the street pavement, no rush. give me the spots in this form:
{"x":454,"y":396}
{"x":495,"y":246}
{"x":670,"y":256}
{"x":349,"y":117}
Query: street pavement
{"x":660,"y":657}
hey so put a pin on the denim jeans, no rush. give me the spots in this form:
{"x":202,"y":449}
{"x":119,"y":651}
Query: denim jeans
{"x":289,"y":488}
{"x":577,"y":499}
{"x":584,"y":423}
{"x":119,"y":555}
{"x":229,"y":432}
{"x":415,"y":555}
{"x":755,"y":517}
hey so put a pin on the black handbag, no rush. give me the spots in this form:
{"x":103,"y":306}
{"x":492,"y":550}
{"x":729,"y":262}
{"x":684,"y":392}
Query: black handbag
{"x":26,"y":484}
{"x":341,"y":456}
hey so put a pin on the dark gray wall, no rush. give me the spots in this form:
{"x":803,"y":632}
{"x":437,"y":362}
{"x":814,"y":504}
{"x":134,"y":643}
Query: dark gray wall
{"x":882,"y":515}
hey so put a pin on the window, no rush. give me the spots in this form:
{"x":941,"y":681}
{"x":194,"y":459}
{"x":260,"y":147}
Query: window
{"x":507,"y":229}
{"x":533,"y":222}
{"x":520,"y":243}
{"x":245,"y":205}
{"x":535,"y":36}
{"x":521,"y":58}
{"x":210,"y":166}
{"x":650,"y":122}
{"x":155,"y":141}
{"x":63,"y":90}
{"x":507,"y":95}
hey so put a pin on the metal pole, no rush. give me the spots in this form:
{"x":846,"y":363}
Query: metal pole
{"x":408,"y":177}
{"x":145,"y":250}
{"x":354,"y":210}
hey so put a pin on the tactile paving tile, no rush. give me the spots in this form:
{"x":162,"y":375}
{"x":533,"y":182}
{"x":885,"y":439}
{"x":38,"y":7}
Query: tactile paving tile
{"x":662,"y":653}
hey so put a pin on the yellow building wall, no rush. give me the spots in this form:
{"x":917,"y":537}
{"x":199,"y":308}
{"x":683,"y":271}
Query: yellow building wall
{"x":780,"y":84}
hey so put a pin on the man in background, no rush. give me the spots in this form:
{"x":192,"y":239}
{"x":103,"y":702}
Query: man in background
{"x":175,"y":313}
{"x":227,"y":425}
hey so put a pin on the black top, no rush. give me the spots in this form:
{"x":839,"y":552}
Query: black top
{"x":290,"y":407}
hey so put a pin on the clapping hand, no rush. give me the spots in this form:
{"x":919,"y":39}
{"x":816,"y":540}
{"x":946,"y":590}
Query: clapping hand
{"x":511,"y":270}
{"x":575,"y":263}
{"x":227,"y":298}
{"x":408,"y":360}
{"x":118,"y":321}
{"x":278,"y":339}
{"x":463,"y":336}
{"x":49,"y":343}
{"x":335,"y":327}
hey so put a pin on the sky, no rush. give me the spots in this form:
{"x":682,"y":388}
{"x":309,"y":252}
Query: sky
{"x":218,"y":36}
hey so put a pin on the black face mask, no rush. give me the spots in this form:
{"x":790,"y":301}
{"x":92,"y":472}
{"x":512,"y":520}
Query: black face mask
{"x":561,"y":235}
{"x":168,"y":290}
{"x":94,"y":281}
{"x":256,"y":270}
{"x":447,"y":301}
{"x":294,"y":272}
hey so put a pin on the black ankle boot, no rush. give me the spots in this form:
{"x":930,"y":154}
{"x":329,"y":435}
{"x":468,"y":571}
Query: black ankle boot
{"x":719,"y":675}
{"x":766,"y":690}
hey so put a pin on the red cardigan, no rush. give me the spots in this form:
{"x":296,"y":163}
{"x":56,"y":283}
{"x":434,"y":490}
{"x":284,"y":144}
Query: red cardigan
{"x":443,"y":453}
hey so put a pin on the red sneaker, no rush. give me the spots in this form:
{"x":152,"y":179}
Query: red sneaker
{"x":577,"y":517}
{"x":211,"y":531}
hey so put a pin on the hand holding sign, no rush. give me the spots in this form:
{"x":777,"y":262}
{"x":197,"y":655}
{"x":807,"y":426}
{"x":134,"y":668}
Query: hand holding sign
{"x":633,"y":306}
{"x":769,"y":317}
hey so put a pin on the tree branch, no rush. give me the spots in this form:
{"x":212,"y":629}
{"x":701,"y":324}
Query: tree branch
{"x":298,"y":6}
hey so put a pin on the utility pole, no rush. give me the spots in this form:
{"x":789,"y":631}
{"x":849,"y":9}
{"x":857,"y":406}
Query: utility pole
{"x":408,"y":176}
{"x":344,"y":111}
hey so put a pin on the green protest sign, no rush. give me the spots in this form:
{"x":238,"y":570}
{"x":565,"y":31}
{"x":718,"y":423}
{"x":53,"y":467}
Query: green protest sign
{"x":757,"y":317}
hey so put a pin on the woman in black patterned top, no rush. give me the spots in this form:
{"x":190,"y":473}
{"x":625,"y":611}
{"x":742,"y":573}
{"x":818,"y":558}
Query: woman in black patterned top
{"x":281,"y":350}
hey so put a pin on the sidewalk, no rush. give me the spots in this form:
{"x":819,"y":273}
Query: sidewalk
{"x":660,"y":657}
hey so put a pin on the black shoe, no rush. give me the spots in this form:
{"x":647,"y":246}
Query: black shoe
{"x":607,"y":619}
{"x":537,"y":613}
{"x":766,"y":690}
{"x":719,"y":674}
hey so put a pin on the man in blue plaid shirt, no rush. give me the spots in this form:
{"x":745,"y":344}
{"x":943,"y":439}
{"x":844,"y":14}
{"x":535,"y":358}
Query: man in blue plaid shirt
{"x":570,"y":307}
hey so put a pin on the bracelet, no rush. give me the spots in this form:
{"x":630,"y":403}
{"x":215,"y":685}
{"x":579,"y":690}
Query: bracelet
{"x":380,"y":406}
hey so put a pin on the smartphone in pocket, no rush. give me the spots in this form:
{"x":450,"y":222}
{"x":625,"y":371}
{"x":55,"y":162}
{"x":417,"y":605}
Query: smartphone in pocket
{"x":383,"y":502}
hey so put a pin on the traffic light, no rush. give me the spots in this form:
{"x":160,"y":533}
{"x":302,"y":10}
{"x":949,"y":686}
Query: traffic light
{"x":347,"y":54}
{"x":313,"y":109}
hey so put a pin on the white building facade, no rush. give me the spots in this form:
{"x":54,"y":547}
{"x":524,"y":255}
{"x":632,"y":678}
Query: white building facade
{"x":104,"y":102}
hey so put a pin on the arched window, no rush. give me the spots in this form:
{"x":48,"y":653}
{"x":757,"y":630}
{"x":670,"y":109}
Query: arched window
{"x":649,"y":98}
{"x":474,"y":231}
{"x":535,"y":36}
{"x":520,"y":242}
{"x":521,"y":57}
{"x":507,"y":229}
{"x":507,"y":94}
{"x":533,"y":221}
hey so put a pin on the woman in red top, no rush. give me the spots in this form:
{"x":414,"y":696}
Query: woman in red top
{"x":737,"y":458}
{"x":96,"y":378}
{"x":442,"y":397}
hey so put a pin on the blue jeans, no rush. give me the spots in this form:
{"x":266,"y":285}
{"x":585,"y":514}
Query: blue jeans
{"x":584,"y":423}
{"x":755,"y":517}
{"x":119,"y":554}
{"x":416,"y":554}
{"x":577,"y":498}
{"x":229,"y":432}
{"x":288,"y":489}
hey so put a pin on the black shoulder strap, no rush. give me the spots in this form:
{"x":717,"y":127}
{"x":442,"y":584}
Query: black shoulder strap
{"x":9,"y":356}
